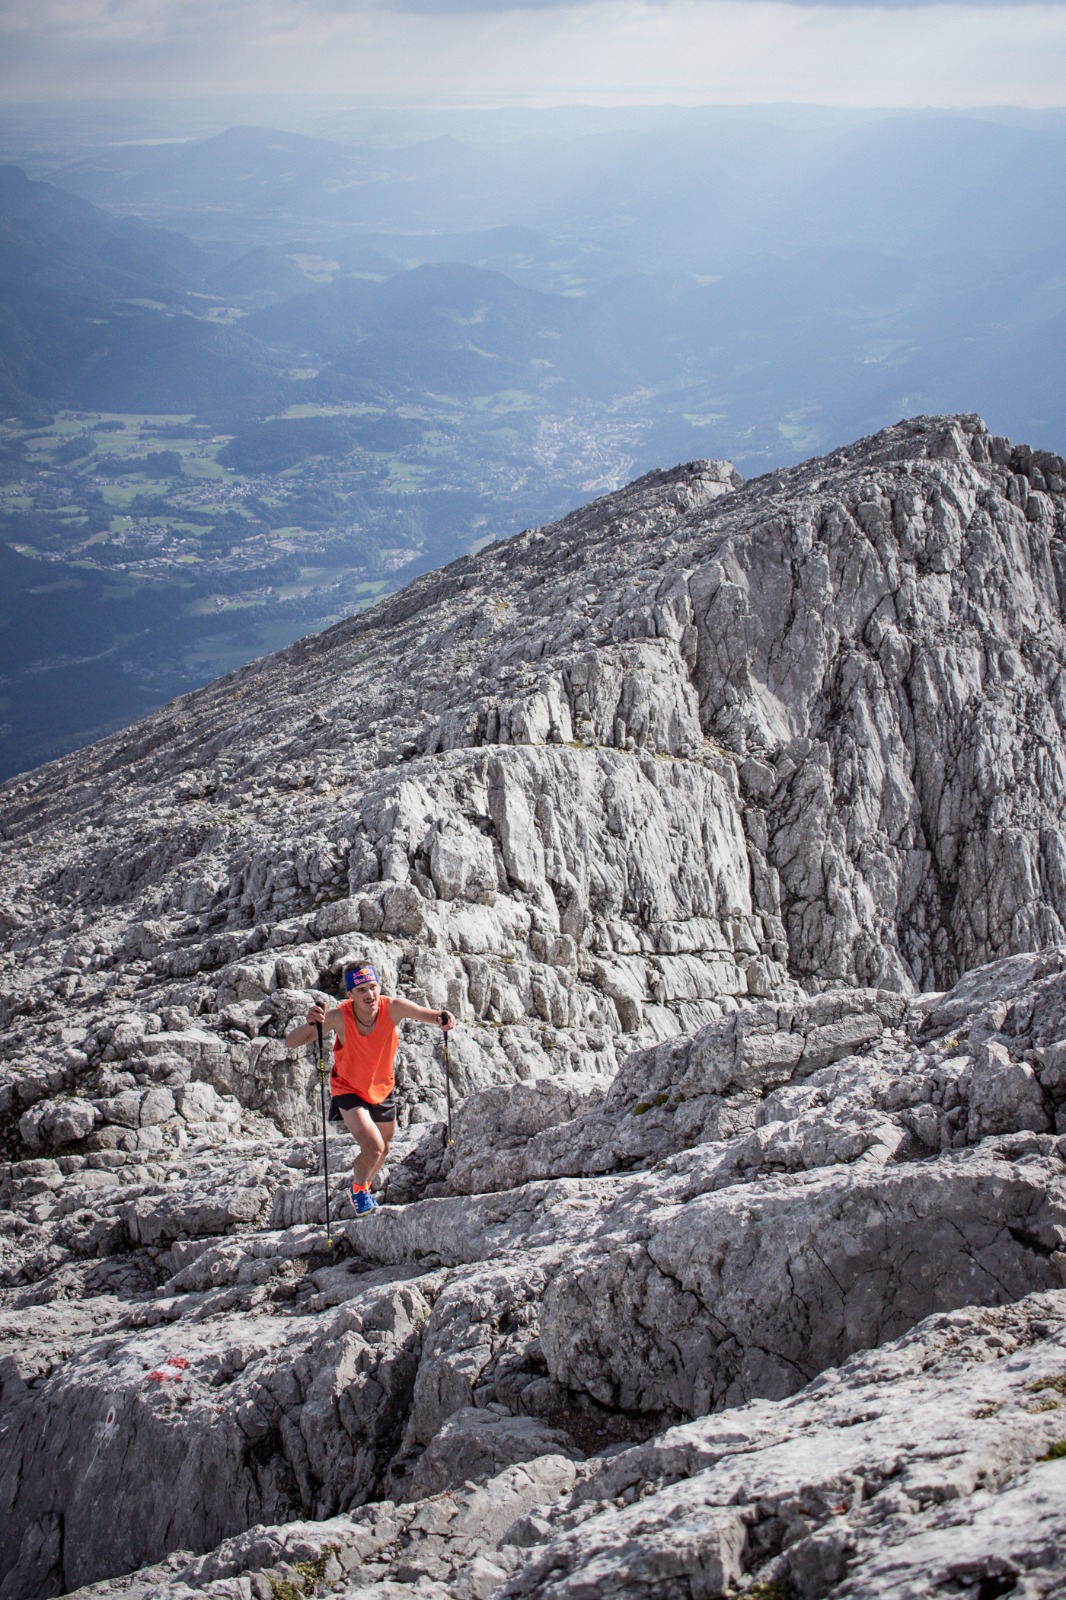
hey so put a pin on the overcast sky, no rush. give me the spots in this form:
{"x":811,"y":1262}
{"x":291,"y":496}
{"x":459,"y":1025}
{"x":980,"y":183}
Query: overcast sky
{"x":544,"y":52}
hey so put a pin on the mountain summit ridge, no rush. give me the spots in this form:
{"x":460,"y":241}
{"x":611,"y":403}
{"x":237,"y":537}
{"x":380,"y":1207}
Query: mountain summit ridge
{"x":724,"y":632}
{"x":689,"y":806}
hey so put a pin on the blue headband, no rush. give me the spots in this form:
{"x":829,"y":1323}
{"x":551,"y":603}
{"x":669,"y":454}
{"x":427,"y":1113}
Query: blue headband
{"x":360,"y":975}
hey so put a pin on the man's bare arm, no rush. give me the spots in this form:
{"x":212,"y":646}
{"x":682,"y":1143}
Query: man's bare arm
{"x":407,"y":1011}
{"x":332,"y":1022}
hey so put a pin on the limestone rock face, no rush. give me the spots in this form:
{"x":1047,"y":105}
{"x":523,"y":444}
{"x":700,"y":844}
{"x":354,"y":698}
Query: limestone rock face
{"x":700,"y":1364}
{"x":727,"y":819}
{"x":589,"y":788}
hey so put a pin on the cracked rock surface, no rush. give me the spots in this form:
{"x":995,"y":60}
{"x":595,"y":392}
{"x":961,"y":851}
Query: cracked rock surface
{"x":727,"y":818}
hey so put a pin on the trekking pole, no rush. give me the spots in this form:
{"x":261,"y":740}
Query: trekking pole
{"x":325,"y":1148}
{"x":447,"y":1078}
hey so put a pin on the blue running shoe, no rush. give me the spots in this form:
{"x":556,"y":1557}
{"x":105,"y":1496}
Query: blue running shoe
{"x":362,"y":1201}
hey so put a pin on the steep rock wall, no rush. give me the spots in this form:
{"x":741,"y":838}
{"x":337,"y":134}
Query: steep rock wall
{"x":676,"y":804}
{"x":593,"y":785}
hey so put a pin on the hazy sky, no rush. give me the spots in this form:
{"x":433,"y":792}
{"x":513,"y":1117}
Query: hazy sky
{"x":539,"y":53}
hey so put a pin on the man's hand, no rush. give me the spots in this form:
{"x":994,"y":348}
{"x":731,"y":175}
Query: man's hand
{"x":307,"y":1031}
{"x":447,"y":1021}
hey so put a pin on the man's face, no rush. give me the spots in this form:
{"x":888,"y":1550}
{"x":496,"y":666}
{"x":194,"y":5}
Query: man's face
{"x":365,"y":1000}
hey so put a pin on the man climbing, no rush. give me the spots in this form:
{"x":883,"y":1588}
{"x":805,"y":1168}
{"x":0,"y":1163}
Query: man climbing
{"x":362,"y":1080}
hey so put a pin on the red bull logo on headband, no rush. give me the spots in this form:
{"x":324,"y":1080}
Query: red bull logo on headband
{"x":360,"y":975}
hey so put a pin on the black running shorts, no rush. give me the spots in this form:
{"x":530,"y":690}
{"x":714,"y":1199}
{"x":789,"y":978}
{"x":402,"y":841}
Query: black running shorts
{"x":384,"y":1111}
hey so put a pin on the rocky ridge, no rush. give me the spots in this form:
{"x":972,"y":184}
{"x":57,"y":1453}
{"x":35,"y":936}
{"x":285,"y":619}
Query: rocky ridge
{"x":727,"y":819}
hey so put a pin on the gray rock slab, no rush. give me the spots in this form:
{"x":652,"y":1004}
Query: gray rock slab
{"x":727,"y":819}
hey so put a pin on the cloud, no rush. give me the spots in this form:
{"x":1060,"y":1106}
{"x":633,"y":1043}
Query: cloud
{"x":473,"y":7}
{"x":60,"y":20}
{"x":133,"y":19}
{"x":541,"y":52}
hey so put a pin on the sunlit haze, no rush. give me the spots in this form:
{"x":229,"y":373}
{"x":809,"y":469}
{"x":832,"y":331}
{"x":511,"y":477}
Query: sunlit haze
{"x":680,"y":51}
{"x":303,"y":298}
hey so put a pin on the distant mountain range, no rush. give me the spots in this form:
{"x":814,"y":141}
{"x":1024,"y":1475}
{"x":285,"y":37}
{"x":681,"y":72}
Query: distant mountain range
{"x":796,"y":282}
{"x":122,"y":320}
{"x":376,"y":355}
{"x":694,"y":194}
{"x":71,"y":274}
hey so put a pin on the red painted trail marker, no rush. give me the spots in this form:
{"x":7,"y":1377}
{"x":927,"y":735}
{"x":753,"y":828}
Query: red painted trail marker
{"x":170,"y":1372}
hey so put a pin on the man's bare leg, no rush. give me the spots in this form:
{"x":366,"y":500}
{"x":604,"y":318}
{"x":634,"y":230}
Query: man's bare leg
{"x":386,"y":1130}
{"x":373,"y":1139}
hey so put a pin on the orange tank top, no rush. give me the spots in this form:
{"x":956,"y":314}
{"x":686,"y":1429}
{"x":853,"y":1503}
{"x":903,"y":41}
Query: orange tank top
{"x":363,"y":1064}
